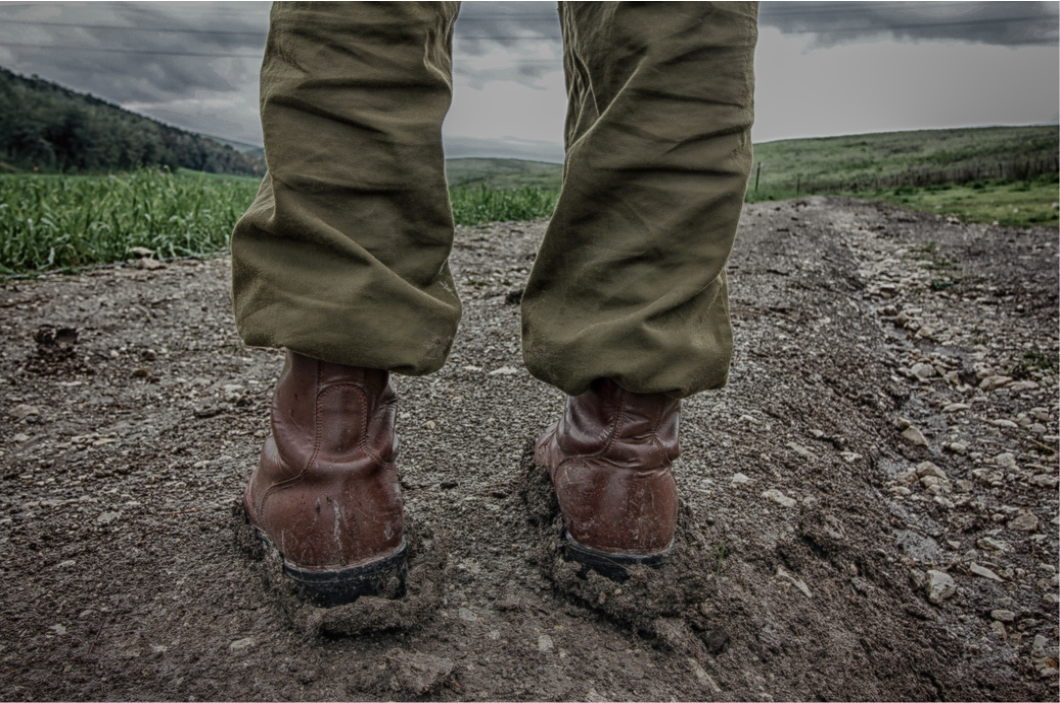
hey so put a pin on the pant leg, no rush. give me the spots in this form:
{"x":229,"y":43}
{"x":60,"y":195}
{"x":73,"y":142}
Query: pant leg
{"x":342,"y":256}
{"x":629,"y":283}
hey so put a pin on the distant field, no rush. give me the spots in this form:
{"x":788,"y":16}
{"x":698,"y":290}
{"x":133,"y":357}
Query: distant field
{"x":503,"y":174}
{"x":50,"y":222}
{"x":66,"y":222}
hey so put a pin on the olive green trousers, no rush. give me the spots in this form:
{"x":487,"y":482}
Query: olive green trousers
{"x":343,"y":254}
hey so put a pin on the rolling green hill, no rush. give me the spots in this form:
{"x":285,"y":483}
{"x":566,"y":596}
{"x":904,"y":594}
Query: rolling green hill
{"x":47,"y":128}
{"x":928,"y":157}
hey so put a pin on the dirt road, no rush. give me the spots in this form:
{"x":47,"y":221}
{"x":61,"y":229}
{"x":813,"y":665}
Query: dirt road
{"x":874,"y":494}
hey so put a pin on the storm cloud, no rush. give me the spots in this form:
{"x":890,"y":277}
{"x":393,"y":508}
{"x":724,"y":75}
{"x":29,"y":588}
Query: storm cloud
{"x":998,"y":23}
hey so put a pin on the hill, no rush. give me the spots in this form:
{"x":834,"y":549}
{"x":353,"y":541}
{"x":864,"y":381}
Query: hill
{"x":503,"y":174}
{"x":45,"y":127}
{"x":919,"y":158}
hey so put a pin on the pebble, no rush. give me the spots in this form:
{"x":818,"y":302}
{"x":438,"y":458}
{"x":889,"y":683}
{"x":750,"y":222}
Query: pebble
{"x":467,"y":615}
{"x":1023,"y":386}
{"x":1008,"y":424}
{"x":21,"y":412}
{"x":923,"y":371}
{"x":472,"y":369}
{"x":994,"y":545}
{"x":914,"y":436}
{"x":741,"y":480}
{"x":1044,"y":480}
{"x":799,"y":583}
{"x":1003,"y":615}
{"x":20,"y":438}
{"x":107,"y":517}
{"x":703,"y":677}
{"x":801,"y":451}
{"x":957,"y":447}
{"x":954,"y":407}
{"x":149,"y":264}
{"x":1026,"y":521}
{"x":242,"y":644}
{"x":429,"y":425}
{"x":544,"y":643}
{"x":984,"y":572}
{"x":994,"y":382}
{"x":926,"y":468}
{"x":940,"y":586}
{"x":778,"y":497}
{"x":504,"y":371}
{"x":58,"y":629}
{"x":1006,"y":461}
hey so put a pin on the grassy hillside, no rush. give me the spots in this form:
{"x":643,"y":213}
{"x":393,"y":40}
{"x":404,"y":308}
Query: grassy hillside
{"x":49,"y":129}
{"x":503,"y":174}
{"x":869,"y":161}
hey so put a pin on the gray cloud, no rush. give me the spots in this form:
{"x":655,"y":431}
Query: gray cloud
{"x":511,"y":25}
{"x":134,"y":52}
{"x":1000,"y":23}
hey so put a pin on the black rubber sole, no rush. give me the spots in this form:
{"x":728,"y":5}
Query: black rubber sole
{"x":326,"y":589}
{"x":613,"y":566}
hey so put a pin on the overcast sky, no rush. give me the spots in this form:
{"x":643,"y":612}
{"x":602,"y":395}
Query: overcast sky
{"x":823,"y":68}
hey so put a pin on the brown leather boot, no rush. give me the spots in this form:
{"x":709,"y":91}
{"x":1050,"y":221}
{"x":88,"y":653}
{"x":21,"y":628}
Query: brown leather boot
{"x":610,"y":459}
{"x":325,"y":491}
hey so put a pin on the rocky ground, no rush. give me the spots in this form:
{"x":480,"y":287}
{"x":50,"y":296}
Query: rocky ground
{"x":872,"y":501}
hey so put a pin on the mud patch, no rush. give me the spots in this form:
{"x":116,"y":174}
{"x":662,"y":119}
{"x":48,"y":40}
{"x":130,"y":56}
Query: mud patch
{"x":656,"y":602}
{"x":366,"y":615}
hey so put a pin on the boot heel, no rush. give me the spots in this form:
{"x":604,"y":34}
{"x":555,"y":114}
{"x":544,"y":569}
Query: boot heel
{"x":613,"y":566}
{"x":325,"y":589}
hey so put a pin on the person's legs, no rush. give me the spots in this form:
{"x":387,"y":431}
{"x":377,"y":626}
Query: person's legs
{"x":626,"y":309}
{"x":342,"y":259}
{"x":629,"y":283}
{"x":343,"y":254}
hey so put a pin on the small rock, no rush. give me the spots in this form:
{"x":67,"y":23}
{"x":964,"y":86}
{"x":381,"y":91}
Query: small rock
{"x":741,"y":480}
{"x":504,"y":371}
{"x":703,"y":677}
{"x":20,"y":438}
{"x":472,"y":369}
{"x":1044,"y":481}
{"x":242,"y":644}
{"x":1008,"y":424}
{"x":923,"y":371}
{"x":544,"y":643}
{"x":150,"y":264}
{"x":957,"y":447}
{"x":141,"y":251}
{"x":994,"y":382}
{"x":778,"y":497}
{"x":801,"y":451}
{"x":926,"y":468}
{"x":21,"y":412}
{"x":429,"y":425}
{"x":984,"y":572}
{"x":907,"y":477}
{"x":940,"y":586}
{"x":1026,"y":521}
{"x":467,"y":615}
{"x":1026,"y":385}
{"x":914,"y":436}
{"x":1003,"y":615}
{"x":994,"y":545}
{"x":954,"y":407}
{"x":999,"y":629}
{"x":850,"y":457}
{"x":58,"y":629}
{"x":1006,"y":461}
{"x":105,"y":518}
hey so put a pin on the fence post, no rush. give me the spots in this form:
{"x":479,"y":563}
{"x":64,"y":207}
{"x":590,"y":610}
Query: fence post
{"x":758,"y":174}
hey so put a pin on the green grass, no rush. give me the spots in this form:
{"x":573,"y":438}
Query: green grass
{"x":53,"y":222}
{"x":65,"y":222}
{"x":503,"y":174}
{"x":866,"y":162}
{"x":476,"y":206}
{"x":1015,"y":204}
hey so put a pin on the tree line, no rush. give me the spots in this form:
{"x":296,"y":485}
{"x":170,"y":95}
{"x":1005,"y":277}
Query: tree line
{"x":47,"y":128}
